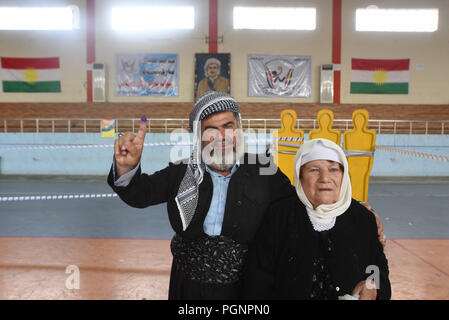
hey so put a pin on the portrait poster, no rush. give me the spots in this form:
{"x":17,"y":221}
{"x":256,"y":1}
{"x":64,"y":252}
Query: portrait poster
{"x":146,"y":75}
{"x":279,"y":76}
{"x":212,"y":72}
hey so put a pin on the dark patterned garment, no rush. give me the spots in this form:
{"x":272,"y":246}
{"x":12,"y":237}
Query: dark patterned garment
{"x":290,"y":260}
{"x":209,"y":267}
{"x":209,"y":259}
{"x":322,"y":285}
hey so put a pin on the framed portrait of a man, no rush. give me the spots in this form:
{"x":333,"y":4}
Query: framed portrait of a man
{"x":212,"y":72}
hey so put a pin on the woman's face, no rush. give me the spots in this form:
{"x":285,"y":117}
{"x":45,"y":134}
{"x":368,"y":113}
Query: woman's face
{"x":321,"y":181}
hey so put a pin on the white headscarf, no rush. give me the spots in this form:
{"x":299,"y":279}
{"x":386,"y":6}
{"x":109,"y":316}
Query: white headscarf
{"x":322,"y":149}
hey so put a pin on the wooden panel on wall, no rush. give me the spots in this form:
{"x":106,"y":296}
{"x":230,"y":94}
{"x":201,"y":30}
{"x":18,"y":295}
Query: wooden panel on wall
{"x":182,"y":110}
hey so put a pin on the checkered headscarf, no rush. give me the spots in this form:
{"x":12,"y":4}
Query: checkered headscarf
{"x":211,"y":102}
{"x":208,"y":103}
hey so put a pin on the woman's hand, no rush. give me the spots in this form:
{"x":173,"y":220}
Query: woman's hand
{"x":380,"y":227}
{"x":366,"y":290}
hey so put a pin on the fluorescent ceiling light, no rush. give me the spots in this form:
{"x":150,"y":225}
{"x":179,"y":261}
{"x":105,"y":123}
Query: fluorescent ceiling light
{"x":153,"y":18}
{"x":275,"y":18}
{"x":39,"y":18}
{"x":396,"y":20}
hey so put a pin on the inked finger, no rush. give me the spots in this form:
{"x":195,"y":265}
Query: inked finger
{"x":142,"y":131}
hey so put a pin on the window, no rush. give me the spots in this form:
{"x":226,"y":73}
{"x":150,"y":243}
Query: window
{"x":39,"y":18}
{"x":153,"y":18}
{"x":396,"y":20}
{"x":274,"y":18}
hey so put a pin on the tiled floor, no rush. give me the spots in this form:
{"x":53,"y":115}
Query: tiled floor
{"x":35,"y":268}
{"x":119,"y":256}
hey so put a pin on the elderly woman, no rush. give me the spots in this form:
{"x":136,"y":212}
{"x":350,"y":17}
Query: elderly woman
{"x":320,"y":244}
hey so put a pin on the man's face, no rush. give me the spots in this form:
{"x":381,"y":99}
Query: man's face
{"x":212,"y":70}
{"x":219,"y":134}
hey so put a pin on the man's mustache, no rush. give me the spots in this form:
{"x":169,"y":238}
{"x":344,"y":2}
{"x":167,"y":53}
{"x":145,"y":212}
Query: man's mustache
{"x":218,"y":142}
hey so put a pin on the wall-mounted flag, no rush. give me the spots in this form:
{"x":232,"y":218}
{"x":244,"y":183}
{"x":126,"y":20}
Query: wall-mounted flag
{"x":30,"y":74}
{"x":380,"y":76}
{"x":279,"y":76}
{"x":146,"y":75}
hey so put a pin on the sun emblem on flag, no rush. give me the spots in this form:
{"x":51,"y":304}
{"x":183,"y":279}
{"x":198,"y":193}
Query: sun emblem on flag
{"x":379,"y":77}
{"x":30,"y":75}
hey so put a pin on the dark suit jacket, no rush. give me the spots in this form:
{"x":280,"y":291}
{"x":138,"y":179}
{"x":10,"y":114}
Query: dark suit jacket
{"x":280,"y":259}
{"x":248,"y":198}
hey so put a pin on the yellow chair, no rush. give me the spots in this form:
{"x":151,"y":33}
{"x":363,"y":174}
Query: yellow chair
{"x":361,"y":139}
{"x":325,"y":120}
{"x":284,"y":156}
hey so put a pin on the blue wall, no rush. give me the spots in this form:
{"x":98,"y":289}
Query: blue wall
{"x":97,"y":161}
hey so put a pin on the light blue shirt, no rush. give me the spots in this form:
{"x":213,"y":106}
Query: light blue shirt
{"x":126,"y":178}
{"x":214,"y":218}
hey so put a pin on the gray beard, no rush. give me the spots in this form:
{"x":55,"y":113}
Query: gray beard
{"x":221,"y":166}
{"x":223,"y":161}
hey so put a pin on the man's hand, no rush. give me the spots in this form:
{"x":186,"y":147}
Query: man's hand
{"x":366,"y":290}
{"x":128,"y":150}
{"x":380,"y":227}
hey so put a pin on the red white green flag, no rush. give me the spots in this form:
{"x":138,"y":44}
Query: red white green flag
{"x":30,"y":74}
{"x":380,"y":76}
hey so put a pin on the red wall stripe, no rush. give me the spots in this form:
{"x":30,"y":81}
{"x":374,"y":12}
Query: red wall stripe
{"x":36,"y":63}
{"x":213,"y":26}
{"x":90,"y":43}
{"x":336,"y":46}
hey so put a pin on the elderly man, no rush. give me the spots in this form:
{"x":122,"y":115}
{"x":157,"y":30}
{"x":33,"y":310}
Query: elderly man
{"x":215,"y":201}
{"x":212,"y":80}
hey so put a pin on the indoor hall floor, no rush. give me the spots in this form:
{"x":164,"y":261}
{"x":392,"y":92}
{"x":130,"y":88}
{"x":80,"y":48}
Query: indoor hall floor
{"x":124,"y":253}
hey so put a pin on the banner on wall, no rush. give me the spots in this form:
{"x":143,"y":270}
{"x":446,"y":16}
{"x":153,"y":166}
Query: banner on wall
{"x":380,"y":76}
{"x":212,"y":72}
{"x":30,"y":74}
{"x":279,"y":76}
{"x":146,"y":75}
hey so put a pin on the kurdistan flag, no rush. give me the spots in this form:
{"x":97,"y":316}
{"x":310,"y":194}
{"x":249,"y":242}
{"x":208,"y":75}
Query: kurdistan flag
{"x":30,"y":74}
{"x":380,"y":76}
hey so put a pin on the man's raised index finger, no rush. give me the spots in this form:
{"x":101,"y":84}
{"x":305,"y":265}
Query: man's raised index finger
{"x":143,"y":128}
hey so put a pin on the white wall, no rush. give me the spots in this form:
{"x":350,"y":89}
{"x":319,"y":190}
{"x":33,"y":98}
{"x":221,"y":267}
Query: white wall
{"x":428,"y":86}
{"x":240,"y":43}
{"x":68,"y":45}
{"x":185,"y":43}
